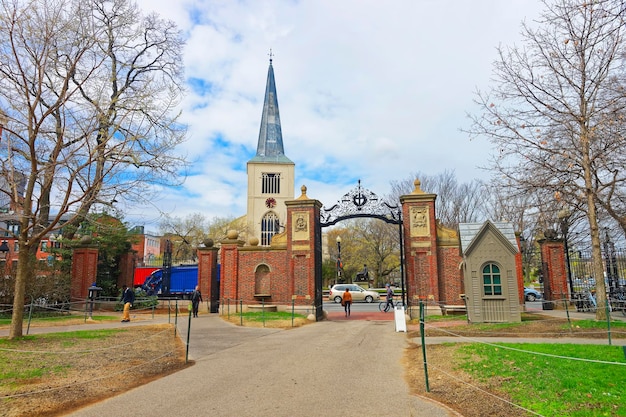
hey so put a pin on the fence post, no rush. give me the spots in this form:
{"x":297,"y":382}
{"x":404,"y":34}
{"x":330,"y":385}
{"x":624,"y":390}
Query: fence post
{"x":188,"y":334}
{"x":565,"y":303}
{"x":30,"y":315}
{"x":176,"y":317}
{"x":241,"y":312}
{"x":424,"y":344}
{"x":263,"y":311}
{"x":608,"y":318}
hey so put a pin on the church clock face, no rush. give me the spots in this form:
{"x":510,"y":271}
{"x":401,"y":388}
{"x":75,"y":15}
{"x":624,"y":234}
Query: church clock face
{"x":270,"y":203}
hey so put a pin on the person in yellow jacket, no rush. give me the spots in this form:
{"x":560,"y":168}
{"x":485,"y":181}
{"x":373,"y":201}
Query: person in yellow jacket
{"x":346,"y":300}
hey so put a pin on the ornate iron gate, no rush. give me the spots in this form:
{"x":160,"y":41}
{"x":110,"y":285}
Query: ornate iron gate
{"x":363,"y":203}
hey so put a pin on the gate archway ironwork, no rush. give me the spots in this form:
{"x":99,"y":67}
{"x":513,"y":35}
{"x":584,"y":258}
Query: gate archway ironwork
{"x":361,"y":202}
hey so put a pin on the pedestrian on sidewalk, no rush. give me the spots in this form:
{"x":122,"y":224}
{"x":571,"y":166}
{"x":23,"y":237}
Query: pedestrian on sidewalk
{"x":128,"y":298}
{"x":389,"y":303}
{"x":196,"y":298}
{"x":346,"y":300}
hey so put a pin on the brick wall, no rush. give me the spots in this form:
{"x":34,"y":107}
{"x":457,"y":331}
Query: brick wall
{"x":554,"y":270}
{"x":84,"y":269}
{"x":451,"y":282}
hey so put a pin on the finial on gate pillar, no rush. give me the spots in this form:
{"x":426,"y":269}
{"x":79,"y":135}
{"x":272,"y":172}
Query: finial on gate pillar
{"x":303,"y":196}
{"x":417,"y":189}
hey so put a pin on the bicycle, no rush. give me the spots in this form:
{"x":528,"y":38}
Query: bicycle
{"x":383,"y":307}
{"x":617,"y":301}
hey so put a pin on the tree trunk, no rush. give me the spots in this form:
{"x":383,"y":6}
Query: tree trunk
{"x":20,"y":293}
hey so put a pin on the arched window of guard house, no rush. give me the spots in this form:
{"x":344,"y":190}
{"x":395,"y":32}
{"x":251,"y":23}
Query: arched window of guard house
{"x":262,"y":280}
{"x":269,"y":227}
{"x":492,"y":280}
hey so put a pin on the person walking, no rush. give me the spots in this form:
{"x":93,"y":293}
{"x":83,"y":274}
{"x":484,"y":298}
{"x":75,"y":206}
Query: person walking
{"x":128,"y":298}
{"x":196,"y":298}
{"x":389,"y":298}
{"x":346,"y":300}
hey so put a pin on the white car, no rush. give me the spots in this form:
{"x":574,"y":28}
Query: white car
{"x":358,"y":293}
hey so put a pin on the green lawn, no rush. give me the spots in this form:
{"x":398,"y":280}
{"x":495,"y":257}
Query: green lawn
{"x":552,"y":385}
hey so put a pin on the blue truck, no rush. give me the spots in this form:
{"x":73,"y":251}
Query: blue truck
{"x":183,"y":280}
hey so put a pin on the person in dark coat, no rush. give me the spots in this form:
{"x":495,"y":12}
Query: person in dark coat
{"x":128,"y":298}
{"x":196,"y":298}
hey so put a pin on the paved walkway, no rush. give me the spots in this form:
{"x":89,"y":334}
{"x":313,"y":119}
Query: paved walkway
{"x":331,"y":368}
{"x":342,"y":367}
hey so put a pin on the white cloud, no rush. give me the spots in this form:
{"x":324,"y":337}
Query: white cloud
{"x":374,"y":90}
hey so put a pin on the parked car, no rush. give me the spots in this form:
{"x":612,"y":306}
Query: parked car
{"x":358,"y":293}
{"x":531,"y":294}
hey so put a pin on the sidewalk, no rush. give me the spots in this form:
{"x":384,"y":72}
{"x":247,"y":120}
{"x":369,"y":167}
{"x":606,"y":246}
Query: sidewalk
{"x":331,"y":368}
{"x":343,"y":367}
{"x":559,"y":313}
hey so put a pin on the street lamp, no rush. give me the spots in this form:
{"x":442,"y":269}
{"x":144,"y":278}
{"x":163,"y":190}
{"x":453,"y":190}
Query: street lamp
{"x":339,"y":263}
{"x":564,"y":216}
{"x":610,"y":261}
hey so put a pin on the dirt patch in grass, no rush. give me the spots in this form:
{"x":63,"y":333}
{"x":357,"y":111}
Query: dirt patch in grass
{"x":449,"y":385}
{"x":532,"y":326}
{"x":75,"y":372}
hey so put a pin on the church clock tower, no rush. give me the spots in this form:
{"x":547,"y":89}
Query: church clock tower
{"x":270,"y":172}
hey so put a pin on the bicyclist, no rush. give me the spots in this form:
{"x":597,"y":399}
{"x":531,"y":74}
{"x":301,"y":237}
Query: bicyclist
{"x":389,"y":298}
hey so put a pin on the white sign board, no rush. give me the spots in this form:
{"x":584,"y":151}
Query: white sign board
{"x":398,"y":315}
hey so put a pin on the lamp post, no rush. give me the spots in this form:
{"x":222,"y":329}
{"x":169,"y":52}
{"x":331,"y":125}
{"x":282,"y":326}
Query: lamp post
{"x":610,"y":261}
{"x":564,"y":216}
{"x":339,"y":263}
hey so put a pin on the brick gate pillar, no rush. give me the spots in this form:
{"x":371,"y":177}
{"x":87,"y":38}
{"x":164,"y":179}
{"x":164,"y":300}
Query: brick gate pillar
{"x":207,"y":275}
{"x":229,"y":273}
{"x":554,"y":272}
{"x":84,"y":269}
{"x":420,"y":246}
{"x":304,"y":251}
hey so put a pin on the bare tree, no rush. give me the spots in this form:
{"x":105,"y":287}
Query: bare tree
{"x":185,"y":233}
{"x":456,"y":202}
{"x":379,"y":244}
{"x":370,"y":242}
{"x":218,"y":227}
{"x":88,"y":88}
{"x":554,"y":109}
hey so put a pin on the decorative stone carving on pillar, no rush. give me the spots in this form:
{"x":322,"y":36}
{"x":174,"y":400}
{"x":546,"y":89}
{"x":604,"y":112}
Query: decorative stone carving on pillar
{"x":84,"y":268}
{"x":420,"y":243}
{"x":207,"y":274}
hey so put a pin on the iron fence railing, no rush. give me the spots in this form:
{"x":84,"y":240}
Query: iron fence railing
{"x":582,"y":275}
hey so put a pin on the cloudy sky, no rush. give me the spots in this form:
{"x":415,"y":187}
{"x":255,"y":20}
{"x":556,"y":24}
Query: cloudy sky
{"x":367,"y":89}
